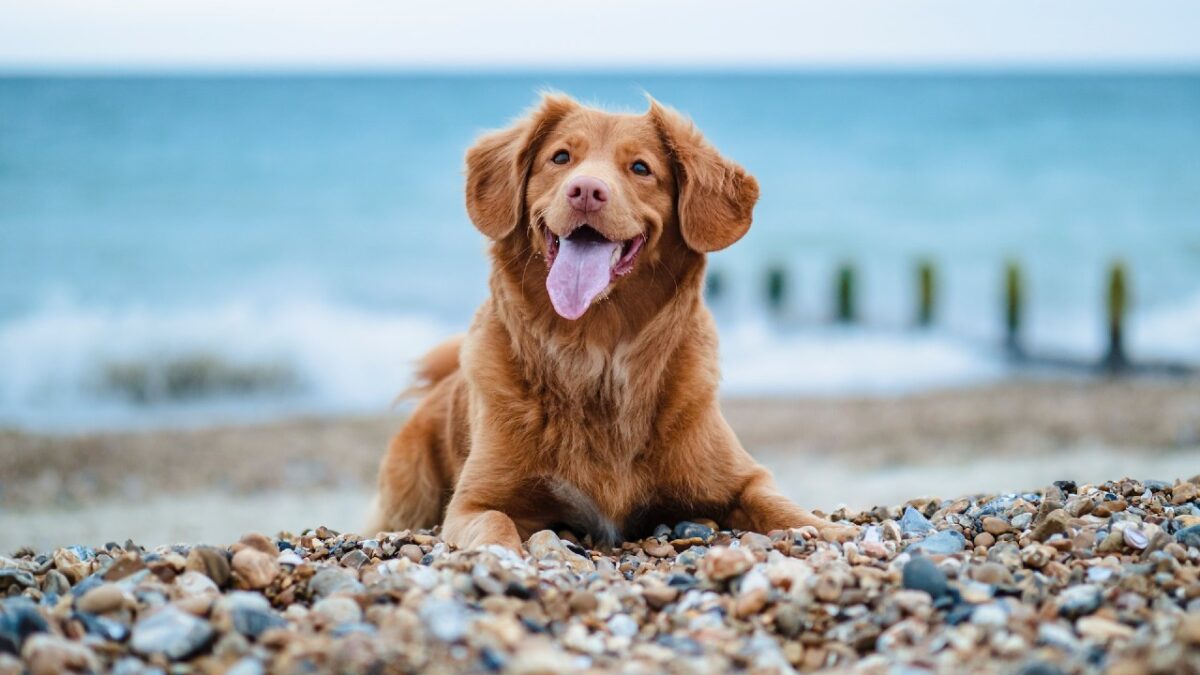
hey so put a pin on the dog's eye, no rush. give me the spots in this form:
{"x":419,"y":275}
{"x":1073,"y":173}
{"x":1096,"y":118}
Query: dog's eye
{"x":561,"y":157}
{"x":640,"y":168}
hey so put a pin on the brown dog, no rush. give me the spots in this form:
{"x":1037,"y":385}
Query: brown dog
{"x":585,"y":392}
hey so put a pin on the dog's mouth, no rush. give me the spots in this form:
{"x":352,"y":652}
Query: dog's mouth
{"x":583,"y":264}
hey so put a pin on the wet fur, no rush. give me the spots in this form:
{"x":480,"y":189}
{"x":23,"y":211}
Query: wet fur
{"x":608,"y":424}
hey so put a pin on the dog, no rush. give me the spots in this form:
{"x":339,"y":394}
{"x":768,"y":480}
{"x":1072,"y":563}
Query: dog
{"x":584,"y":394}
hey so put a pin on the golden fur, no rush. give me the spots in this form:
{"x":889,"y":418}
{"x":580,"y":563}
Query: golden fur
{"x":608,"y":424}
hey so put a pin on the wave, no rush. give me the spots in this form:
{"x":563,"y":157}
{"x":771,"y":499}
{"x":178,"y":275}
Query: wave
{"x":68,"y":367}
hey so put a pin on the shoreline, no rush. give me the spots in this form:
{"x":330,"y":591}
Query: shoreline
{"x":164,"y":485}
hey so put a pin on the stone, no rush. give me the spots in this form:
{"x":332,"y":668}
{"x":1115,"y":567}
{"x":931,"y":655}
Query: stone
{"x":1102,"y":629}
{"x":722,"y":563}
{"x":946,"y":542}
{"x":989,"y":615}
{"x":248,"y":613}
{"x":193,"y":584}
{"x":46,"y":654}
{"x":211,"y":562}
{"x":257,"y":541}
{"x":16,"y":578}
{"x":172,"y":633}
{"x":1189,"y":536}
{"x":1054,"y":523}
{"x":1184,"y":493}
{"x":338,"y":609}
{"x":446,"y":620}
{"x":55,"y":583}
{"x":102,"y":627}
{"x":622,"y":625}
{"x":19,"y":619}
{"x":920,"y":574}
{"x":912,"y":523}
{"x":992,"y":573}
{"x":253,"y":569}
{"x":659,"y":596}
{"x":101,"y":599}
{"x":332,"y":580}
{"x":995,"y":526}
{"x":688,"y":530}
{"x":1188,"y":631}
{"x":1135,"y":538}
{"x":1078,"y":601}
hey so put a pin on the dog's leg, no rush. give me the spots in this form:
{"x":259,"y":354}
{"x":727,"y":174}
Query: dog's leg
{"x":413,"y":487}
{"x":760,"y":507}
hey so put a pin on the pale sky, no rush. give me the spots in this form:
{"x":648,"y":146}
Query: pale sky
{"x":568,"y":34}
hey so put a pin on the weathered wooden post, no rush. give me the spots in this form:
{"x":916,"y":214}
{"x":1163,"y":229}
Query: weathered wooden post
{"x":1118,"y":304}
{"x":1014,"y":309}
{"x":926,"y":293}
{"x":844,"y":308}
{"x":776,"y":289}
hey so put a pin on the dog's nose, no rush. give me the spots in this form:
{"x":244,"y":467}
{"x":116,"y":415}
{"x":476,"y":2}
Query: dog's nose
{"x":587,"y":194}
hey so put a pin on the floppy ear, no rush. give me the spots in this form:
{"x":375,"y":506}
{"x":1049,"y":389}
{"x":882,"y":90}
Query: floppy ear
{"x":716,"y":195}
{"x":499,"y":163}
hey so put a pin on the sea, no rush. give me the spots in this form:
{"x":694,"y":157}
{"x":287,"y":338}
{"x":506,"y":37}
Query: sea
{"x":199,"y":249}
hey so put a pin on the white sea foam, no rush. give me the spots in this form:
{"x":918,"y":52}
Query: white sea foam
{"x":68,"y":367}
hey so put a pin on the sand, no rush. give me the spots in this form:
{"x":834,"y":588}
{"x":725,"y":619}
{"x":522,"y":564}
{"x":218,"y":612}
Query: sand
{"x":213,"y":484}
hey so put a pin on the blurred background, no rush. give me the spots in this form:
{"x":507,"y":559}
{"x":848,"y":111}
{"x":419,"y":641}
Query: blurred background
{"x":226,"y":230}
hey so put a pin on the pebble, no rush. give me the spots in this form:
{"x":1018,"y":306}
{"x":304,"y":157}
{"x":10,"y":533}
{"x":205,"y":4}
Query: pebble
{"x":622,"y":625}
{"x":339,"y":609}
{"x":101,"y":599}
{"x":331,"y":580}
{"x":254,"y":569}
{"x":946,"y":542}
{"x":172,"y":633}
{"x":913,"y":523}
{"x":19,"y":619}
{"x":248,"y":613}
{"x":46,"y":654}
{"x":1083,"y":595}
{"x":722,"y":563}
{"x":995,"y":526}
{"x":688,"y":530}
{"x":1189,"y":536}
{"x":211,"y":562}
{"x":1080,"y":600}
{"x":446,"y":620}
{"x":920,"y":574}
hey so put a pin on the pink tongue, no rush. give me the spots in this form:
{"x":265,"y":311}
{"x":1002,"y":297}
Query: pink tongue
{"x":581,"y":271}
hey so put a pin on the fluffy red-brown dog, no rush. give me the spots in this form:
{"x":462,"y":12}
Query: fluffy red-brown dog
{"x":585,"y":392}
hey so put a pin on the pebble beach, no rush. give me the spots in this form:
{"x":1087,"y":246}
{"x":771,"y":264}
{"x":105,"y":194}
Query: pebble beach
{"x":1068,"y":579}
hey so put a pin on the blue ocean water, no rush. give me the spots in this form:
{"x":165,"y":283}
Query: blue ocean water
{"x":270,"y":245}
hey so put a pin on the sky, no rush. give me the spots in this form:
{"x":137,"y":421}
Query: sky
{"x":123,"y":35}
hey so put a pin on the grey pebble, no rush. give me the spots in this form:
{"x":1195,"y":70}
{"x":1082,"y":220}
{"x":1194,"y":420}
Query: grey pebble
{"x":920,"y":574}
{"x":946,"y":542}
{"x":172,"y":633}
{"x":912,"y":523}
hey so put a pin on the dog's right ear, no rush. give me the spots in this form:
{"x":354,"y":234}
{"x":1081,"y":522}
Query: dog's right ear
{"x":499,"y":164}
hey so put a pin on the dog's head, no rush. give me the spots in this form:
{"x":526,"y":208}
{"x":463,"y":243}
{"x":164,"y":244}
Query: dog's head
{"x":600,"y":195}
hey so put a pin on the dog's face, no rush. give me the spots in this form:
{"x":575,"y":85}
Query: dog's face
{"x":597,"y":193}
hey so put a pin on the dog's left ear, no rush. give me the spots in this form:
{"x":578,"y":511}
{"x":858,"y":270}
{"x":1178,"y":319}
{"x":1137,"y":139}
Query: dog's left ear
{"x":499,"y":163}
{"x":716,"y":195}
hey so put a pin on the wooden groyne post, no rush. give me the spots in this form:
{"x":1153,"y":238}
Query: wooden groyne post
{"x":1117,"y":301}
{"x":1014,"y":308}
{"x":777,"y":289}
{"x":926,"y":293}
{"x":845,"y":310}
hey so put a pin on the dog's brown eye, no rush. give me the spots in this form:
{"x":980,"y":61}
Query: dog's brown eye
{"x":640,"y":168}
{"x":561,"y":157}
